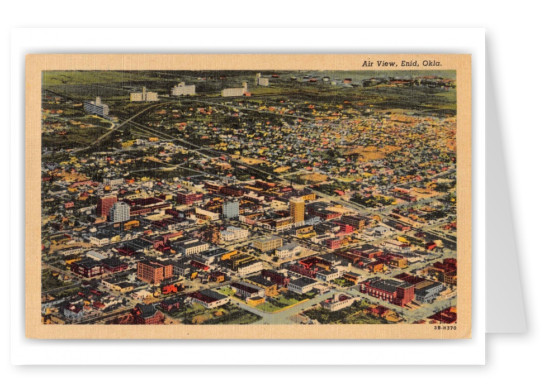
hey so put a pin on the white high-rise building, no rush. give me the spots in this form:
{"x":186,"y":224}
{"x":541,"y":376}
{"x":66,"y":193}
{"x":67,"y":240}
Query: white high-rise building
{"x":144,"y":96}
{"x":183,"y":89}
{"x":230,"y":208}
{"x":96,"y":107}
{"x":119,"y":212}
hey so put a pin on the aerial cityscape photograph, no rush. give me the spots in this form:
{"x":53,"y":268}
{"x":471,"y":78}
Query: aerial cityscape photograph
{"x":252,"y":197}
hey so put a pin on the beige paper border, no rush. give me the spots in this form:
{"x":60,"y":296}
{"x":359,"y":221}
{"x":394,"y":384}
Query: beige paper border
{"x":35,"y":64}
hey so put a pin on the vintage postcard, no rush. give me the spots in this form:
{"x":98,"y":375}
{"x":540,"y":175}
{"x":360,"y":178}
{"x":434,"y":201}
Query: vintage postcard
{"x":248,"y":196}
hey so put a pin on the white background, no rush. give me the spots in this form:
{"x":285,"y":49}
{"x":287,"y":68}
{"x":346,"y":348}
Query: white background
{"x":31,"y":351}
{"x":517,"y":39}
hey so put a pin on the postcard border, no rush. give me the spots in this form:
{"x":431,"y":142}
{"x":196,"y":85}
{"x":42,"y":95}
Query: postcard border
{"x":35,"y":64}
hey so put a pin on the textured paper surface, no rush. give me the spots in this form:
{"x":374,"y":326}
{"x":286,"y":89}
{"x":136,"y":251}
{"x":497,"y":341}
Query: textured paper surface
{"x":38,"y":63}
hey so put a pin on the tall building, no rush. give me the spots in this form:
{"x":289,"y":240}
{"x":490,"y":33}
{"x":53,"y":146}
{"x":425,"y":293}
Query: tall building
{"x":119,"y":212}
{"x":296,"y":205}
{"x":144,"y":96}
{"x":183,"y":89}
{"x":230,"y":208}
{"x":96,"y":107}
{"x":153,"y":272}
{"x":105,"y":204}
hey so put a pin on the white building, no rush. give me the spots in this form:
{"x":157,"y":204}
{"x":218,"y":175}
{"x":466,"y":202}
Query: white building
{"x":99,"y":241}
{"x":288,"y":250}
{"x":251,"y":196}
{"x":191,"y":246}
{"x":235,"y":91}
{"x":234,"y":233}
{"x":141,"y":295}
{"x":262,"y":81}
{"x":328,"y":275}
{"x":230,"y":208}
{"x":206,"y":215}
{"x":250,"y":268}
{"x":321,"y":238}
{"x":302,"y":285}
{"x":338,"y":302}
{"x":119,"y":212}
{"x":95,"y":255}
{"x":183,"y":89}
{"x":96,"y":107}
{"x":209,"y":298}
{"x":144,"y":96}
{"x":246,"y":290}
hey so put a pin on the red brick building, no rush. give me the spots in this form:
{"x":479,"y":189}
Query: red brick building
{"x":147,"y":314}
{"x":445,"y":271}
{"x":170,"y":305}
{"x":448,"y":315}
{"x":333,"y":243}
{"x":276,"y":277}
{"x":303,"y":270}
{"x":394,"y":291}
{"x":105,"y":204}
{"x":140,"y":206}
{"x":153,"y":272}
{"x":87,"y":268}
{"x":188,"y":198}
{"x":113,"y":265}
{"x":232,"y":191}
{"x":355,"y":221}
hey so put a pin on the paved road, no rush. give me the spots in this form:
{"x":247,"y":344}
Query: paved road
{"x":121,"y":124}
{"x":410,"y":315}
{"x":283,"y":317}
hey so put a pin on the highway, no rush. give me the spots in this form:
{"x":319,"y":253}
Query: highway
{"x":114,"y":127}
{"x":121,"y":124}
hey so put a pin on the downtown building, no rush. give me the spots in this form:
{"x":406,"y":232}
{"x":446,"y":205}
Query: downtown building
{"x":188,"y":198}
{"x":296,"y":208}
{"x":268,"y":244}
{"x":394,"y":291}
{"x":153,"y":272}
{"x":234,"y":233}
{"x":230,"y":208}
{"x":119,"y":212}
{"x":191,"y":246}
{"x":105,"y":204}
